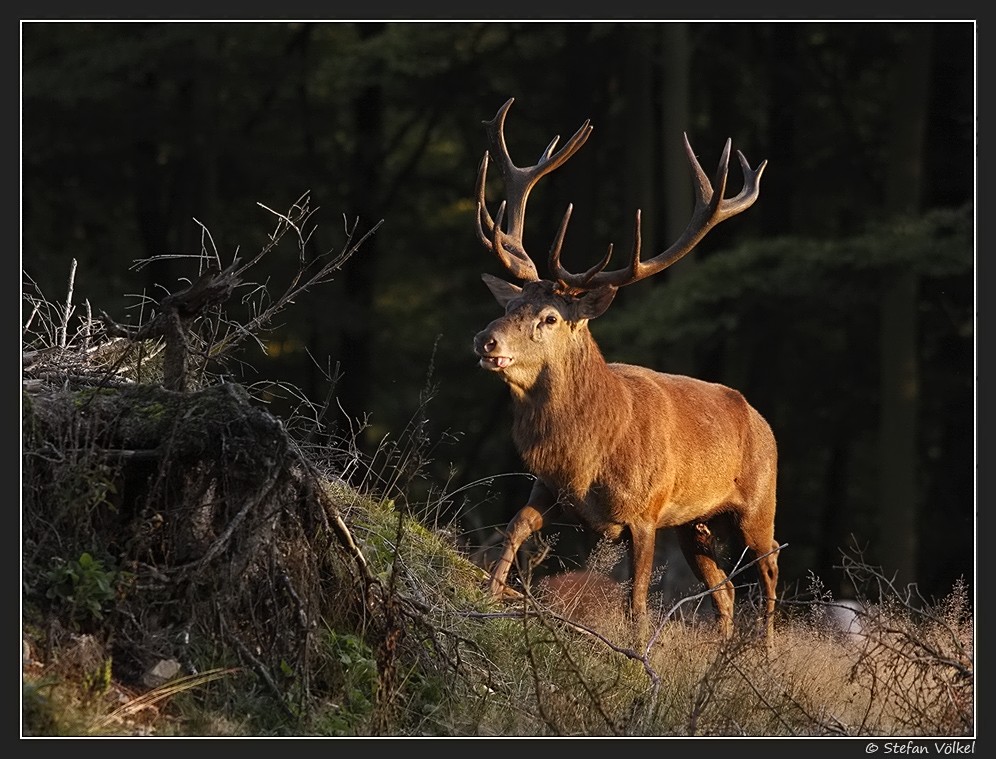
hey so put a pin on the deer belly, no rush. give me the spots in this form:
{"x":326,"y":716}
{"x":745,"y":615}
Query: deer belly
{"x":675,"y":513}
{"x":598,"y":517}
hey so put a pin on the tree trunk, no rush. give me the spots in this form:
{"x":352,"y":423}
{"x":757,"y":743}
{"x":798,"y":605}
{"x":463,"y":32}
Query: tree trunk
{"x":640,"y":140}
{"x":898,"y":501}
{"x":675,"y":121}
{"x":677,"y":192}
{"x":366,"y":181}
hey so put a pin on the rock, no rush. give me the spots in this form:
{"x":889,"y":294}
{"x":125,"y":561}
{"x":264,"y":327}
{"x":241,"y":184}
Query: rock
{"x":164,"y":671}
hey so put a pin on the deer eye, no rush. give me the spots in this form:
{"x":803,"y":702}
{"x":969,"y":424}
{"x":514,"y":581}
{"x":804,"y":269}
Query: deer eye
{"x":551,"y":319}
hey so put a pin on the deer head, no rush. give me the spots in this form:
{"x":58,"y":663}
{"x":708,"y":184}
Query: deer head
{"x":564,"y":303}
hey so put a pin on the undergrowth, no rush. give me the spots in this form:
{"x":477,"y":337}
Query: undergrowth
{"x":249,"y":576}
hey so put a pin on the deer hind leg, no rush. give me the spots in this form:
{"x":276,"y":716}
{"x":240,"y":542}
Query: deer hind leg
{"x":527,"y":520}
{"x":696,"y":541}
{"x":758,"y":534}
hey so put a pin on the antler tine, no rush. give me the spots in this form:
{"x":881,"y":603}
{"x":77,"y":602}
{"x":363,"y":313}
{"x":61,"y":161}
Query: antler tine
{"x":545,"y":155}
{"x":559,"y":272}
{"x":550,"y":162}
{"x":482,"y":208}
{"x":519,"y":182}
{"x":711,"y":208}
{"x":722,"y":171}
{"x":749,"y":192}
{"x":637,"y":243}
{"x":553,"y":262}
{"x":514,"y":259}
{"x":723,"y":208}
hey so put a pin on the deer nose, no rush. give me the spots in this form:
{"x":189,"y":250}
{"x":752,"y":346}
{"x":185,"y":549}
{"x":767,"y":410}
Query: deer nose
{"x":485,"y":343}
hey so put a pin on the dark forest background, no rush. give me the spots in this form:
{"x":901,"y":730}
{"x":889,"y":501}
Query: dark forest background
{"x":841,"y":304}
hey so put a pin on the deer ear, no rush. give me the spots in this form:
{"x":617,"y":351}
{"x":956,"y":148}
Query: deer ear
{"x":502,"y":290}
{"x":596,"y":302}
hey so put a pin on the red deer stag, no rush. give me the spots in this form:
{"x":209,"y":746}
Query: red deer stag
{"x":623,"y":447}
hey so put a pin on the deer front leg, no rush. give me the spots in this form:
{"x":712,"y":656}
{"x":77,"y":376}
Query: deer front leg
{"x":643,"y":538}
{"x":526,"y":521}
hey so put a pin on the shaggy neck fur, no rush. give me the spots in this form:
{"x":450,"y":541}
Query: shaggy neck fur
{"x":558,"y":422}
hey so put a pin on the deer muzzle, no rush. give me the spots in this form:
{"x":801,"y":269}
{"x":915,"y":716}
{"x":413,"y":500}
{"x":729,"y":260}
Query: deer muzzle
{"x":487,"y":348}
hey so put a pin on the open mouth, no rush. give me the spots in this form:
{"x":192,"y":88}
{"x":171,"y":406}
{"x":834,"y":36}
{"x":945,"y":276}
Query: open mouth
{"x":496,"y":363}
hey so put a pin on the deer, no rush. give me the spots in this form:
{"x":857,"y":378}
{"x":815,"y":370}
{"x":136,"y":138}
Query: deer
{"x":623,"y":449}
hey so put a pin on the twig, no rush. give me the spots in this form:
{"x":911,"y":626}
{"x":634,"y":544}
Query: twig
{"x":68,"y":311}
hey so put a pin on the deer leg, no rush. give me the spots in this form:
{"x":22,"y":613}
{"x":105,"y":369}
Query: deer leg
{"x":643,"y":564}
{"x":759,"y":537}
{"x":526,"y":521}
{"x":696,"y":541}
{"x":643,"y":539}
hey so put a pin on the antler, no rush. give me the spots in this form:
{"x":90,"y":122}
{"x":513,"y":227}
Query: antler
{"x":711,"y":208}
{"x":519,"y":182}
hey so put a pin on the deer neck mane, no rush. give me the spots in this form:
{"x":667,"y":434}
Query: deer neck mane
{"x":559,"y":424}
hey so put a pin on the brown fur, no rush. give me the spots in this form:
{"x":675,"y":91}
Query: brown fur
{"x":628,"y":449}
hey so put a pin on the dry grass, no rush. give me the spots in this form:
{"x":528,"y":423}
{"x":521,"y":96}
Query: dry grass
{"x":898,"y":668}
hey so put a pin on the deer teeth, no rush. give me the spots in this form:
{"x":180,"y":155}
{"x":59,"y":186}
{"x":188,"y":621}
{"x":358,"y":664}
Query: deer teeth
{"x":498,"y":362}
